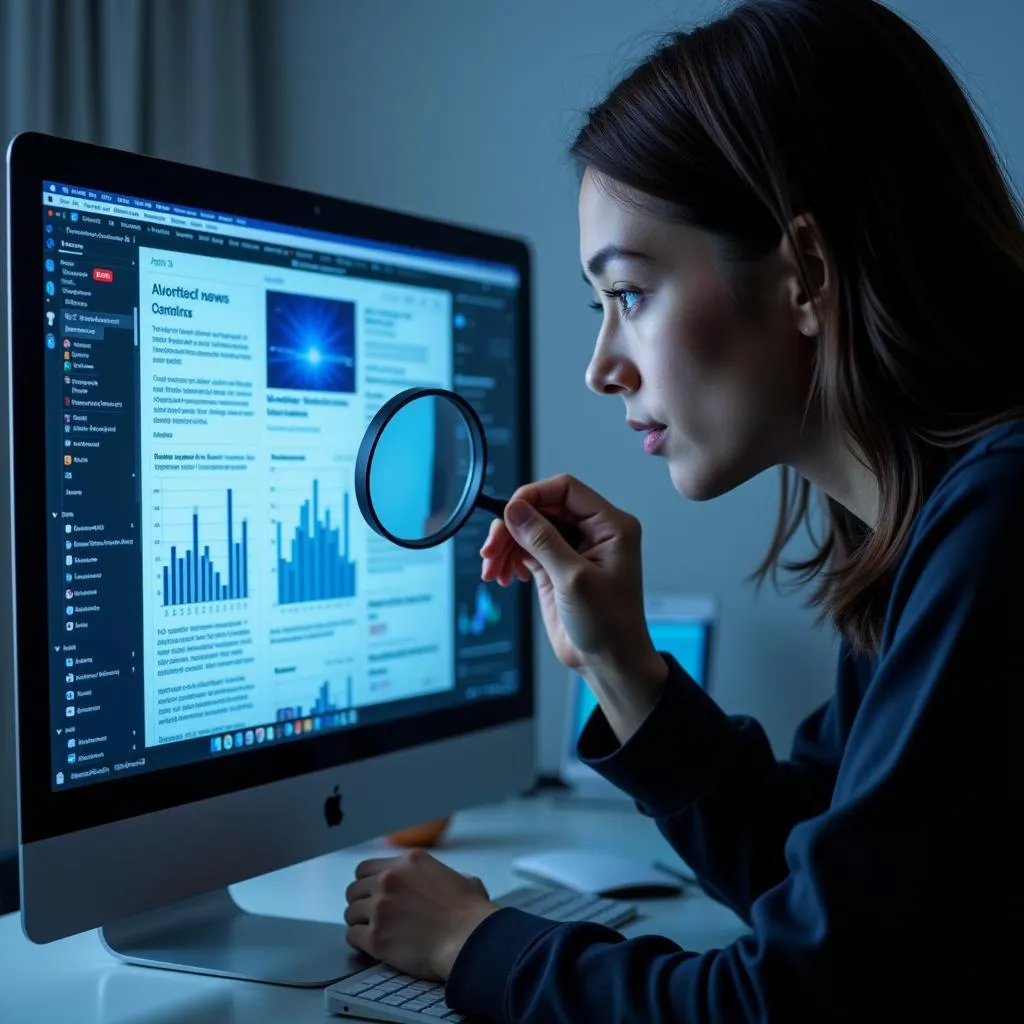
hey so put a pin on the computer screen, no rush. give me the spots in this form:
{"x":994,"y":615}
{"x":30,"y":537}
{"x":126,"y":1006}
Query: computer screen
{"x":204,"y":624}
{"x":210,"y":379}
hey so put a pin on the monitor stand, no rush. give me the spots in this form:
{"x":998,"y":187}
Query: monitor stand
{"x":211,"y":934}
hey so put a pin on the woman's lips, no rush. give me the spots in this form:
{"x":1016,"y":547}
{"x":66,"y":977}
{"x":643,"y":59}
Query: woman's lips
{"x":653,"y":439}
{"x":654,"y":434}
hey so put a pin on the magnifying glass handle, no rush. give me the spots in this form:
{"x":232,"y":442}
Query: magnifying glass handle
{"x":569,"y":532}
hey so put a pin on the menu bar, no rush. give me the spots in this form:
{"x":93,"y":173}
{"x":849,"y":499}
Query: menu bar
{"x":109,"y":204}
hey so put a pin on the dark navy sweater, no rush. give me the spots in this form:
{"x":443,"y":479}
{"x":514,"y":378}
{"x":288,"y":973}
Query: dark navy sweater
{"x":878,"y":867}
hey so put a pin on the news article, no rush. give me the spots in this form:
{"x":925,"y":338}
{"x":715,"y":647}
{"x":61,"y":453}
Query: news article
{"x":260,"y":594}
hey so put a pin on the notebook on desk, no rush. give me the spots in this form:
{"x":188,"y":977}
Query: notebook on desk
{"x":681,"y":625}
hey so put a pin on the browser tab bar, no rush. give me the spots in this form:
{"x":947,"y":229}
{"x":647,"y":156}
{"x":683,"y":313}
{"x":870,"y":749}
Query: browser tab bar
{"x":298,"y":238}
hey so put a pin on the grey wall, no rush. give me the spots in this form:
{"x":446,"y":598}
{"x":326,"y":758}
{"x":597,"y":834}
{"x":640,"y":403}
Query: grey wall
{"x":462,"y":110}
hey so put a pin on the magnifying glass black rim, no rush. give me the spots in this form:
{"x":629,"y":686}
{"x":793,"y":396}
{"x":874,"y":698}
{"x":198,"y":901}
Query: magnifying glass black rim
{"x":368,"y":446}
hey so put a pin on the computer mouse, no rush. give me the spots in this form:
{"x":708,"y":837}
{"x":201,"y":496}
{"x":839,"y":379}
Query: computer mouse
{"x":598,"y":873}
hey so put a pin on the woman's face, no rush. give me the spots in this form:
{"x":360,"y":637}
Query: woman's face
{"x":715,"y":373}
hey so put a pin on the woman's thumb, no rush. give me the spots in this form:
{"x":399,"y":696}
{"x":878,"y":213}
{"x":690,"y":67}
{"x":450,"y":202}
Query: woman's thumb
{"x":536,"y":534}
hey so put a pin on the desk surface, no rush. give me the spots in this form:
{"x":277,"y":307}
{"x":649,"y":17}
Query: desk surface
{"x":77,"y":981}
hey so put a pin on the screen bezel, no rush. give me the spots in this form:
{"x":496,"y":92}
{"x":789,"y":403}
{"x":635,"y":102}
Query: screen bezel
{"x":34,"y":158}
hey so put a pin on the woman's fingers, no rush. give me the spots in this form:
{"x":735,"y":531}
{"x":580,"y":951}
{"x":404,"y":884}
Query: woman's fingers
{"x":358,"y":912}
{"x":562,"y":495}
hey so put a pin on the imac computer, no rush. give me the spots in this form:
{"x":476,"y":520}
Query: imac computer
{"x":220,"y":670}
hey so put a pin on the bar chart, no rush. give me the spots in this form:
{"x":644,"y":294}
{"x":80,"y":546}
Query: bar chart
{"x":314,"y":562}
{"x":193,"y":574}
{"x":322,"y":704}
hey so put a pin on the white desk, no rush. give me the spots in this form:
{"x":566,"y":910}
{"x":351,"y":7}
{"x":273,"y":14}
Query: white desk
{"x":78,"y":982}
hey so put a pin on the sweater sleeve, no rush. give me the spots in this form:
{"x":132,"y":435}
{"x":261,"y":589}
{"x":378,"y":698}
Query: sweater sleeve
{"x":715,"y":788}
{"x":866,"y":923}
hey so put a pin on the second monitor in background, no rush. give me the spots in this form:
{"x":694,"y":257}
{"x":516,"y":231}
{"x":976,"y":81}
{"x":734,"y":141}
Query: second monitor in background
{"x":682,"y":625}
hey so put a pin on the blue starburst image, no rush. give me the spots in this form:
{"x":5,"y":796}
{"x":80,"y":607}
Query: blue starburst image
{"x":310,"y":343}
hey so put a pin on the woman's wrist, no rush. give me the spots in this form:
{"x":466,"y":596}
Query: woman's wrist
{"x":627,"y":691}
{"x":447,"y":953}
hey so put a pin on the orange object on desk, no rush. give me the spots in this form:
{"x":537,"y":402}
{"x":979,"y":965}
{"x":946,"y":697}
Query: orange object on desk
{"x":426,"y":834}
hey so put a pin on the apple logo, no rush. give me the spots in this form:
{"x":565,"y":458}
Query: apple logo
{"x":333,"y":813}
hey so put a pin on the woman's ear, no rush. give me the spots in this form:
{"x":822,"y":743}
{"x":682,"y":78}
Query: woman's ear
{"x":808,"y":276}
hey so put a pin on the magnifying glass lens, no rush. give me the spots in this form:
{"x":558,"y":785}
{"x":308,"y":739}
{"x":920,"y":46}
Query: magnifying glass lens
{"x":421,"y":467}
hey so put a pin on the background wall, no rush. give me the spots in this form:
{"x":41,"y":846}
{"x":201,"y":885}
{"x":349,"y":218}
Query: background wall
{"x":463,"y":110}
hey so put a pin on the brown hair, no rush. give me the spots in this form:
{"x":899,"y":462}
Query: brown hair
{"x":839,"y":110}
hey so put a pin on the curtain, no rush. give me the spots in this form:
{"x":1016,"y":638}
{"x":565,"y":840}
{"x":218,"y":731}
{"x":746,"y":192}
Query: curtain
{"x":170,"y":78}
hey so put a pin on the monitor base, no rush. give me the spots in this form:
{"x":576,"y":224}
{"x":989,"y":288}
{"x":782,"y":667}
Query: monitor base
{"x":211,"y":934}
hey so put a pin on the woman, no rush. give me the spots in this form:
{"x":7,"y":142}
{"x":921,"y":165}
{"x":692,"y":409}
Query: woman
{"x":806,"y":256}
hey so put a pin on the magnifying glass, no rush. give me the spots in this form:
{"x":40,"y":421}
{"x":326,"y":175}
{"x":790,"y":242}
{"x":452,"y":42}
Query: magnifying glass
{"x":420,"y":470}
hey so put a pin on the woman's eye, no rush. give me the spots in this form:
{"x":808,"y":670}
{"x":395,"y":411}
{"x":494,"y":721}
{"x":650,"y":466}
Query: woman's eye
{"x":627,"y":299}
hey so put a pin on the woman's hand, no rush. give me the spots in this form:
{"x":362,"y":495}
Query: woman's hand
{"x":591,"y":599}
{"x":413,"y":912}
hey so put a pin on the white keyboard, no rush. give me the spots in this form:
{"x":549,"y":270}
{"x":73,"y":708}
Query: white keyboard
{"x":380,"y":993}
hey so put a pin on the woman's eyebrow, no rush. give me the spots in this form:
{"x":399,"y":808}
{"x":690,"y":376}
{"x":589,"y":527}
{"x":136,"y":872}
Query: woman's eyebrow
{"x":597,"y":263}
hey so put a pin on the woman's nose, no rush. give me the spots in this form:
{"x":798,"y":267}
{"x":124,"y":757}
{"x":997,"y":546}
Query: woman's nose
{"x":609,"y":374}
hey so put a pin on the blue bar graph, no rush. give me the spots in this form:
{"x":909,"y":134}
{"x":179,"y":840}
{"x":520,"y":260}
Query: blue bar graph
{"x":322,"y":705}
{"x":192,"y":577}
{"x":317,"y":565}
